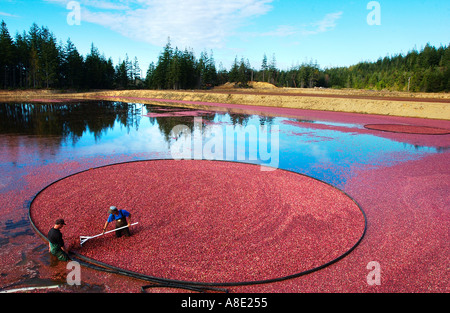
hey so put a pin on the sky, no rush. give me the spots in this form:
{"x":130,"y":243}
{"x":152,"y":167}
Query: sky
{"x":330,"y":32}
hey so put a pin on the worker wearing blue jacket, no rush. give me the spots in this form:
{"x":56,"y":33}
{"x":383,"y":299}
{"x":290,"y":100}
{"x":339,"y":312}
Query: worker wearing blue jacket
{"x":122,"y":218}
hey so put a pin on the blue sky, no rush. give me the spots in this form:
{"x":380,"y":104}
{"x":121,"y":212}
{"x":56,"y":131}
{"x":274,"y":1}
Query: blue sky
{"x":333,"y":33}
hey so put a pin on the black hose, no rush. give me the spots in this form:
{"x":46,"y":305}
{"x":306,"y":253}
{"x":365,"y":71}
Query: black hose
{"x":156,"y":283}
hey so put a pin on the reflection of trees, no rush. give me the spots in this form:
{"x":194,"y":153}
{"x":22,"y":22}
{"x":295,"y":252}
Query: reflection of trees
{"x":57,"y":123}
{"x":442,"y":149}
{"x":304,"y":121}
{"x":239,"y":119}
{"x":424,"y":148}
{"x":166,"y":124}
{"x":66,"y":121}
{"x":266,"y":120}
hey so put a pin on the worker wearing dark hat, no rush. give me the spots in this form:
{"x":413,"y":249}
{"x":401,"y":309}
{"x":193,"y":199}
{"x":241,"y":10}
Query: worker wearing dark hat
{"x":120,"y":217}
{"x":56,"y":242}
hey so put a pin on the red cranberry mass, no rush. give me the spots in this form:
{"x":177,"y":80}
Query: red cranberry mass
{"x":204,"y":221}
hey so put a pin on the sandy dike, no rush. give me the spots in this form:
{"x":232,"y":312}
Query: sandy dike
{"x":431,"y":106}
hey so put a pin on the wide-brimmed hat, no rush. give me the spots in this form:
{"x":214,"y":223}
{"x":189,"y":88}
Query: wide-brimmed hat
{"x":60,"y":221}
{"x":112,"y":209}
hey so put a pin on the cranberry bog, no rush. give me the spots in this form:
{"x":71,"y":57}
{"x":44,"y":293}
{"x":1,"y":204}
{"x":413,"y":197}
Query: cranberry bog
{"x":344,"y":198}
{"x":235,"y":224}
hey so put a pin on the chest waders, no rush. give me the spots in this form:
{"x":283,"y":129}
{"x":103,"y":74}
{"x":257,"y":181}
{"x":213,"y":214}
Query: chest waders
{"x":55,"y":249}
{"x":121,"y":222}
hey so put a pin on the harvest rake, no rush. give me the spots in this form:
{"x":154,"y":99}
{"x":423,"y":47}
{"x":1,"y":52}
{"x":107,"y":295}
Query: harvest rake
{"x":83,"y":239}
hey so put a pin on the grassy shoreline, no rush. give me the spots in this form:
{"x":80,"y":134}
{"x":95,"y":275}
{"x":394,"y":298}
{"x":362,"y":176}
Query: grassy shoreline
{"x":423,"y":105}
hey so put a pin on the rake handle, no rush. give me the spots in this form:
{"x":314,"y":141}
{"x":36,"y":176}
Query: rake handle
{"x":110,"y":231}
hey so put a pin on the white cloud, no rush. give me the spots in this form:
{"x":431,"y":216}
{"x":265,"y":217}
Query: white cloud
{"x":282,"y":31}
{"x":122,"y":5}
{"x":105,"y":5}
{"x":188,"y":23}
{"x":328,"y":23}
{"x":7,"y":14}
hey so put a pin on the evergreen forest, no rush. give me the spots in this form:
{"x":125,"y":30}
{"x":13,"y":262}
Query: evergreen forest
{"x":35,"y":59}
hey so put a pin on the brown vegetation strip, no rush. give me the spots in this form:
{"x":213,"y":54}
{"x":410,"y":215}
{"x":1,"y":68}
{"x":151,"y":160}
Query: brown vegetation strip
{"x":408,"y":129}
{"x":324,"y":95}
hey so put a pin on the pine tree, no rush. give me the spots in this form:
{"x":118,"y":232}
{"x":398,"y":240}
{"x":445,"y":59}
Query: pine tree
{"x":149,"y":78}
{"x":99,"y":72}
{"x":207,"y":69}
{"x":129,"y":69}
{"x":264,"y":68}
{"x":6,"y":56}
{"x":22,"y":59}
{"x":34,"y":68}
{"x":174,"y":71}
{"x":161,"y":74}
{"x":136,"y":71}
{"x":222,"y":75}
{"x":122,"y":75}
{"x":49,"y":58}
{"x":108,"y":74}
{"x":72,"y":66}
{"x":273,"y":70}
{"x":234,"y":72}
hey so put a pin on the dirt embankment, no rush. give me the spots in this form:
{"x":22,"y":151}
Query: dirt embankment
{"x":421,"y":105}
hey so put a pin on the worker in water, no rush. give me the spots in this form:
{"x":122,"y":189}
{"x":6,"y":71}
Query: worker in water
{"x":122,"y":218}
{"x":56,"y":242}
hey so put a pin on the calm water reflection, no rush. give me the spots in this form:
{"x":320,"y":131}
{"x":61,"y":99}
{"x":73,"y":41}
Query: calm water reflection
{"x":57,"y":132}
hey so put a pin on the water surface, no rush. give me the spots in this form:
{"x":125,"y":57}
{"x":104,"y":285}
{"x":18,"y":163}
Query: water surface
{"x":46,"y":133}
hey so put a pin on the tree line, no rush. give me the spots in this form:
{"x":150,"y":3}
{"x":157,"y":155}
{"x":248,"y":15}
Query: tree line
{"x":427,"y":70}
{"x":176,"y":69}
{"x":35,"y":59}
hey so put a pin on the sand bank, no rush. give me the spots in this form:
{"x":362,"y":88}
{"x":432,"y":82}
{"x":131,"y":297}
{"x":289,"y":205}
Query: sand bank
{"x":420,"y":105}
